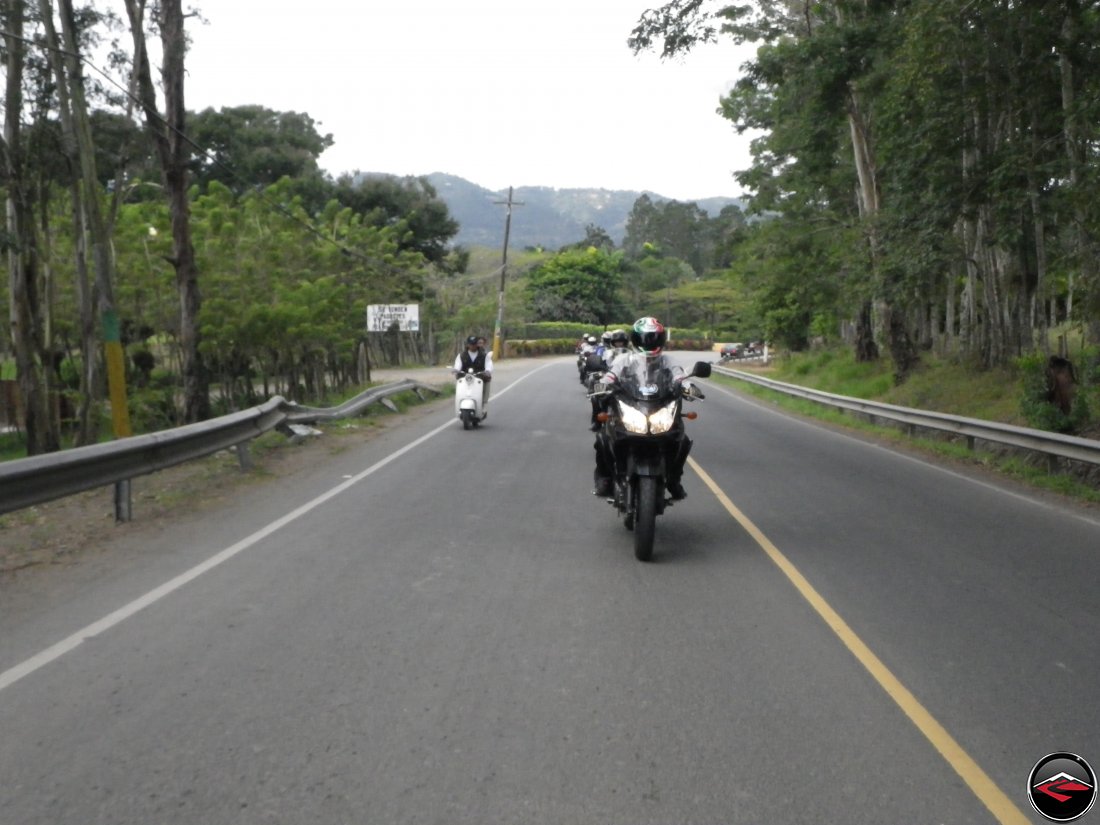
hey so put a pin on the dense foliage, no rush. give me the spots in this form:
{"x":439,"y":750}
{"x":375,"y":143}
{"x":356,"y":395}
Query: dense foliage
{"x":929,"y":167}
{"x":186,"y":262}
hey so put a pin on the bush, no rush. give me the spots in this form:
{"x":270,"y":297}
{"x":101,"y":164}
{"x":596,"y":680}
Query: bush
{"x":693,"y":344}
{"x":70,"y":373}
{"x":545,"y":330}
{"x":1035,"y":405}
{"x":534,"y":348}
{"x":144,"y":362}
{"x":152,"y":409}
{"x":540,"y":346}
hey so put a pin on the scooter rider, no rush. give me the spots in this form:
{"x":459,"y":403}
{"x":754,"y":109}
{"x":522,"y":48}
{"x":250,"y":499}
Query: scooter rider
{"x":648,"y":337}
{"x":481,"y":361}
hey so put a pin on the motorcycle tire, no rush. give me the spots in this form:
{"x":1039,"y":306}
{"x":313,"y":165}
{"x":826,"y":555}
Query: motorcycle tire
{"x":467,"y":419}
{"x":645,"y":520}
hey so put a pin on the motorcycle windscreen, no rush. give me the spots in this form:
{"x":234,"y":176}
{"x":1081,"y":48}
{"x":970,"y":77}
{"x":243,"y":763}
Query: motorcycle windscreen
{"x":642,"y":378}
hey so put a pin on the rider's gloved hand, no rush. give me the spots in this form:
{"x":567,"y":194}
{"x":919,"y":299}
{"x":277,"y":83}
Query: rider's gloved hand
{"x":689,"y":389}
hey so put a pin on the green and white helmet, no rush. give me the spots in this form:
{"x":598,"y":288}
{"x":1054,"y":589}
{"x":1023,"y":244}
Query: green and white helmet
{"x":649,"y":335}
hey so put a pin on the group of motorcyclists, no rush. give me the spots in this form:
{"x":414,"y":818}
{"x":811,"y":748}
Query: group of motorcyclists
{"x":602,"y":362}
{"x":637,"y":356}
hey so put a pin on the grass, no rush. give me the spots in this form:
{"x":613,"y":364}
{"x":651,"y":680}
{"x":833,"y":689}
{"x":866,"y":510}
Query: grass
{"x":939,"y":384}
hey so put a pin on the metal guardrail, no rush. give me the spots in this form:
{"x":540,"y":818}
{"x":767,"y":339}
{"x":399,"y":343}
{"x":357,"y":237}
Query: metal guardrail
{"x":1051,"y":444}
{"x":25,"y":482}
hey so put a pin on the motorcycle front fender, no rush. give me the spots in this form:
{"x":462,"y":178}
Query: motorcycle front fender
{"x":647,"y":463}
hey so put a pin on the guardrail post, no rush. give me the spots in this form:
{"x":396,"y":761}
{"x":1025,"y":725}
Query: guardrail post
{"x":244,"y":457}
{"x":123,"y":506}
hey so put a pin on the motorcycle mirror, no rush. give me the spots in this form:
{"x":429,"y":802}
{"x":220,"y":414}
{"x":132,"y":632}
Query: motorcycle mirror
{"x":701,"y":369}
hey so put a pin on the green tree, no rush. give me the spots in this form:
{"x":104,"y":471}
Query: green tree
{"x":252,"y":145}
{"x":680,"y":230}
{"x":577,"y":285}
{"x":595,"y":237}
{"x":412,"y":202}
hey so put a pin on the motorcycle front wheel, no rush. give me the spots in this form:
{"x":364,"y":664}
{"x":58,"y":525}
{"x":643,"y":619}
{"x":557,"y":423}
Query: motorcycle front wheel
{"x":467,"y":419}
{"x":645,"y":518}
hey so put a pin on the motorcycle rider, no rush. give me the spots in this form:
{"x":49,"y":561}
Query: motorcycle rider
{"x":604,"y":345}
{"x":617,"y":342}
{"x":481,"y":361}
{"x":584,"y":361}
{"x":648,"y":337}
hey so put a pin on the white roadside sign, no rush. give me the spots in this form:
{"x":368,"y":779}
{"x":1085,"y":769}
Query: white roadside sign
{"x":380,"y":317}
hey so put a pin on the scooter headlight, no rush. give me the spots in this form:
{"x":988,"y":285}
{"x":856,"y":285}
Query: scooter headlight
{"x":661,"y":421}
{"x":634,"y":420}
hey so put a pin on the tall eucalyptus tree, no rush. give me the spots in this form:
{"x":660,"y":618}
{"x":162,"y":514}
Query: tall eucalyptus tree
{"x":90,"y":226}
{"x":174,"y":152}
{"x":25,"y":299}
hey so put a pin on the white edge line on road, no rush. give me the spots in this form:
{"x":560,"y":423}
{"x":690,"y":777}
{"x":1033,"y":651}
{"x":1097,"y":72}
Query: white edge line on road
{"x":12,"y":675}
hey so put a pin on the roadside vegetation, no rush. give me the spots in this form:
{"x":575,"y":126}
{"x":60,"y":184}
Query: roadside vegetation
{"x":1004,"y":394}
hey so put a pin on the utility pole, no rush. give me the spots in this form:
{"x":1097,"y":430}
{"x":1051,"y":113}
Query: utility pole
{"x":497,"y":343}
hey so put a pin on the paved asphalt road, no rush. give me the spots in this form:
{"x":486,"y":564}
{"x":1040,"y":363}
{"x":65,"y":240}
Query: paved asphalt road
{"x":443,"y":626}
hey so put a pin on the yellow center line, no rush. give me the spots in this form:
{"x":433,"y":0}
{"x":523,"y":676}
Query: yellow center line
{"x":971,"y":773}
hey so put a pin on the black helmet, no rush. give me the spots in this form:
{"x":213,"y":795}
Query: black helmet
{"x":471,"y":341}
{"x":619,"y":338}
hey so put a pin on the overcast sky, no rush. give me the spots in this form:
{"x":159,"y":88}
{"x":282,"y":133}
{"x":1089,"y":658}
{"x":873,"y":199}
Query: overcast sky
{"x":500,"y":92}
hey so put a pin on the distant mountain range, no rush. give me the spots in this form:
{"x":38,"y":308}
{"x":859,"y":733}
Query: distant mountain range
{"x":550,"y":218}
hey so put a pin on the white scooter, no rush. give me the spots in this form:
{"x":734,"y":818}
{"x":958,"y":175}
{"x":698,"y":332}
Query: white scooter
{"x":469,"y":406}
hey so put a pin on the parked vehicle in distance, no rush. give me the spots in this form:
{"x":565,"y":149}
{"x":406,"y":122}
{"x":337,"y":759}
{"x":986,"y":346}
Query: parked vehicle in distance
{"x":732,"y":350}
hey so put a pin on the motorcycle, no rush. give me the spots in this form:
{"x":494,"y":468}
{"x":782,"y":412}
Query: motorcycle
{"x":641,"y":431}
{"x":469,"y":406}
{"x":588,"y":364}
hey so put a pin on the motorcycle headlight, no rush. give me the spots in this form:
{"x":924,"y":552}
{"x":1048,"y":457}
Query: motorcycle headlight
{"x":662,"y":420}
{"x":634,"y":420}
